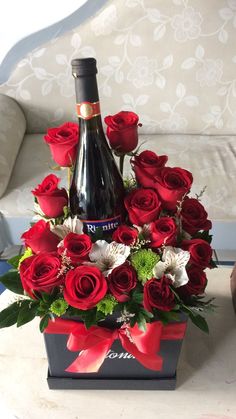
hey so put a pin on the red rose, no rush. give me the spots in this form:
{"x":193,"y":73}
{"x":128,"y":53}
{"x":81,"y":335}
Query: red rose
{"x":77,"y":247}
{"x":121,"y":281}
{"x":125,"y":234}
{"x":194,"y":216}
{"x":40,"y":239}
{"x":85,"y":286}
{"x":200,"y":252}
{"x":63,"y":143}
{"x":163,"y":231}
{"x":157,"y":294}
{"x":143,"y":206}
{"x":171,"y":185}
{"x":41,"y":273}
{"x":146,"y":166}
{"x":196,"y":284}
{"x":122,"y":131}
{"x":50,"y":198}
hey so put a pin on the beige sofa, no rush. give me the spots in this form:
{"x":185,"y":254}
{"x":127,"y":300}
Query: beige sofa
{"x":173,"y":62}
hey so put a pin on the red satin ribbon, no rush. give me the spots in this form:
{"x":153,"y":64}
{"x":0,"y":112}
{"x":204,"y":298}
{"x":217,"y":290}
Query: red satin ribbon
{"x":95,"y":342}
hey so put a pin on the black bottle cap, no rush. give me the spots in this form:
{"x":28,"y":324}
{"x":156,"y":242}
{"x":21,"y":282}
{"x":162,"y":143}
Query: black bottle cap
{"x":84,"y":67}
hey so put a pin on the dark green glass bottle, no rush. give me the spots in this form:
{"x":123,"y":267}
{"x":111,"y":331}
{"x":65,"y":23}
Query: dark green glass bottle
{"x":97,"y":191}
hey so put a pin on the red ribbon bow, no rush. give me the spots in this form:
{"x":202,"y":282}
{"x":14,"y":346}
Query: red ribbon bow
{"x":96,"y":341}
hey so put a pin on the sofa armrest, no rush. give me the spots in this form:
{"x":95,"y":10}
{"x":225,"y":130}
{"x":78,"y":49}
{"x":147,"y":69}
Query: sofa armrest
{"x":12,"y":129}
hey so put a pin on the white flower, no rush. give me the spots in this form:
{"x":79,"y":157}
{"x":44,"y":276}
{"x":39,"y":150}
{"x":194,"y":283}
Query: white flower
{"x":142,"y":72}
{"x":108,"y":256}
{"x":187,"y":25}
{"x":210,"y":72}
{"x":173,"y":265}
{"x":70,"y":225}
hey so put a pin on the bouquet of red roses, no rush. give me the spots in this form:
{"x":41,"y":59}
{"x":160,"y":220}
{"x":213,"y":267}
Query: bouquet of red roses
{"x":152,"y":268}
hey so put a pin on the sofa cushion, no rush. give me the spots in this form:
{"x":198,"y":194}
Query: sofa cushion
{"x":12,"y":129}
{"x":212,"y":160}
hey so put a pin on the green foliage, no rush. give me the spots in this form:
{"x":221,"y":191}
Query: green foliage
{"x":14,"y":261}
{"x":167,"y":316}
{"x":11,"y":280}
{"x":204,"y":235}
{"x":27,"y":311}
{"x":44,"y":322}
{"x":9,"y":315}
{"x":200,"y":322}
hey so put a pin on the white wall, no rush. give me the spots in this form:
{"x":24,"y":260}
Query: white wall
{"x":19,"y":18}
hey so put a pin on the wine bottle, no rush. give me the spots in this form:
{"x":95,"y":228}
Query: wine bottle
{"x":97,"y":191}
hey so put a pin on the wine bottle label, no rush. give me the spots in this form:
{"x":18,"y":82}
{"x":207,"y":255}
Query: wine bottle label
{"x":88,"y":110}
{"x":108,"y":225}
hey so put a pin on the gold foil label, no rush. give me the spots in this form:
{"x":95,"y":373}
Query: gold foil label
{"x":88,"y":110}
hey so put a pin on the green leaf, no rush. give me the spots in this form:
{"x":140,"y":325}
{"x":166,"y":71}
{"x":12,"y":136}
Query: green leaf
{"x":213,"y":264}
{"x":141,"y":322}
{"x":137,"y":297}
{"x":90,"y":318}
{"x":28,"y":311}
{"x":11,"y":280}
{"x":204,"y":235}
{"x":168,"y":316}
{"x":146,"y":313}
{"x":44,"y":322}
{"x":14,"y":261}
{"x":200,"y":322}
{"x":9,"y":316}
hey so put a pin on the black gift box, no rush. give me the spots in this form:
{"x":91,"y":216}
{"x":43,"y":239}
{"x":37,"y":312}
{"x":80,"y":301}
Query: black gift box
{"x":120,"y":370}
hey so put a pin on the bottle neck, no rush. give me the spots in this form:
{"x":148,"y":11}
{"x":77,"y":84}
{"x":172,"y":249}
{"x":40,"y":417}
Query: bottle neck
{"x":87,"y":101}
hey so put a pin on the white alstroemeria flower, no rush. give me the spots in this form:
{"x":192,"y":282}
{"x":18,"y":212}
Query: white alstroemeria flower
{"x":70,"y":225}
{"x":173,"y":265}
{"x":107,"y":256}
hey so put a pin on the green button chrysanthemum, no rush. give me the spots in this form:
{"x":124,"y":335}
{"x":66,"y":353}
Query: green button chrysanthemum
{"x":59,"y":307}
{"x":143,"y":262}
{"x":107,"y":304}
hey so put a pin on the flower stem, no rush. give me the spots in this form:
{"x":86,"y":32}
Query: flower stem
{"x":122,"y":158}
{"x":68,"y":177}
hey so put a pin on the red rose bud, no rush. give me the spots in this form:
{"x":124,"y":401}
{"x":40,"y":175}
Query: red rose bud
{"x":121,"y":281}
{"x":194,"y":216}
{"x":163,"y":231}
{"x":85,"y":286}
{"x":200,"y":252}
{"x":63,"y":142}
{"x":125,"y":234}
{"x":146,"y":166}
{"x":172,"y":184}
{"x":143,"y":206}
{"x":40,"y":238}
{"x":157,"y":294}
{"x":76,"y":246}
{"x":41,"y":273}
{"x":50,"y":198}
{"x":196,"y":284}
{"x":122,"y":131}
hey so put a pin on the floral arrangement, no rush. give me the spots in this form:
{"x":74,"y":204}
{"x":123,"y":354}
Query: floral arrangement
{"x":153,"y":267}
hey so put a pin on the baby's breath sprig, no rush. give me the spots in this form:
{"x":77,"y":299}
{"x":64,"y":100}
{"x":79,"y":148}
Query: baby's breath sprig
{"x":65,"y":264}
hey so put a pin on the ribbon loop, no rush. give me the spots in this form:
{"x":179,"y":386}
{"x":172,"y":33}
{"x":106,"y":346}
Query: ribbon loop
{"x":95,"y":342}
